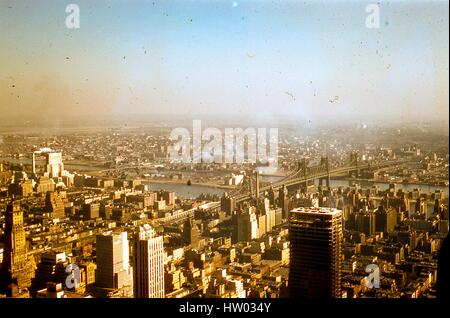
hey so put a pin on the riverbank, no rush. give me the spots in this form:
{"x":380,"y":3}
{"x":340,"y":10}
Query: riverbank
{"x":389,"y":182}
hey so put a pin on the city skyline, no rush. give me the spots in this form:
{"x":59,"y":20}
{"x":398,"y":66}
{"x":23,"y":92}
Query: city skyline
{"x":211,"y":230}
{"x":224,"y":149}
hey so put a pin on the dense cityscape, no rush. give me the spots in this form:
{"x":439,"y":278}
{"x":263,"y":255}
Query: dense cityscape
{"x":224,"y":156}
{"x":109,"y":214}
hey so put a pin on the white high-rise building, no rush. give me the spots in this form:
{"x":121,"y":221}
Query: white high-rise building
{"x":148,"y":264}
{"x":113,"y":264}
{"x":54,"y":164}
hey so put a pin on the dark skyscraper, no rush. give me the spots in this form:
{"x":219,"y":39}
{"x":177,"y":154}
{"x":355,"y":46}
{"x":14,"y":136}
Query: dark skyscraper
{"x":16,"y":269}
{"x":365,"y":222}
{"x":315,"y":253}
{"x":385,"y":220}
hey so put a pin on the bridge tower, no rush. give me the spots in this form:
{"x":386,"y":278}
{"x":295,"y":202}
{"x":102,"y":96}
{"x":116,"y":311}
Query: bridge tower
{"x":324,"y":163}
{"x":303,"y":167}
{"x":247,"y":184}
{"x":257,"y":184}
{"x":354,"y":162}
{"x":353,"y":158}
{"x":302,"y":164}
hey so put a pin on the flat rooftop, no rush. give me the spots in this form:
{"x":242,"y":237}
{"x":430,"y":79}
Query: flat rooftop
{"x":313,"y":210}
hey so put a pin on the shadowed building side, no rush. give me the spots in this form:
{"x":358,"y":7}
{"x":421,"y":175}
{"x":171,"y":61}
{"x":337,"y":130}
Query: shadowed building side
{"x":315,"y":253}
{"x":16,"y":272}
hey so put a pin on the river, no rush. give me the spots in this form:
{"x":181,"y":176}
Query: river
{"x":186,"y":191}
{"x":195,"y":190}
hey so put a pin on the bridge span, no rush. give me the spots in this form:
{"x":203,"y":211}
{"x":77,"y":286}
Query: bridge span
{"x":301,"y":175}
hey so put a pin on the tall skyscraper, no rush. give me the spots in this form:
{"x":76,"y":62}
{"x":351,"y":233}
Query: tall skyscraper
{"x":365,"y":222}
{"x":54,"y":164}
{"x":385,"y":220}
{"x":148,"y":264}
{"x":16,"y":269}
{"x":113,"y":267}
{"x":315,"y":253}
{"x":246,"y":227}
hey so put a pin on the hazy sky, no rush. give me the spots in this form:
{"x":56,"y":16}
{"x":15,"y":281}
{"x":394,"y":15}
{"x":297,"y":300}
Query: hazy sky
{"x":304,"y":59}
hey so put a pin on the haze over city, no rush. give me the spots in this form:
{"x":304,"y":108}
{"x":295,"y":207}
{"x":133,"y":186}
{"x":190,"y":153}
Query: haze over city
{"x":267,"y":60}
